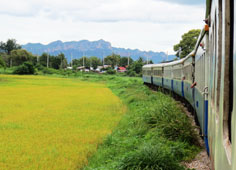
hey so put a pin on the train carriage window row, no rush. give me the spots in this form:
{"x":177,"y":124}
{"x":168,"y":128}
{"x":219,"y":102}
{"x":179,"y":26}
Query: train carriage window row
{"x":157,"y":73}
{"x":167,"y":72}
{"x":177,"y":73}
{"x":187,"y":71}
{"x":200,"y":73}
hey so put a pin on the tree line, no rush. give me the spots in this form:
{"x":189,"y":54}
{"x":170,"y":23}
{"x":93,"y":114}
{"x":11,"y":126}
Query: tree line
{"x":12,"y":55}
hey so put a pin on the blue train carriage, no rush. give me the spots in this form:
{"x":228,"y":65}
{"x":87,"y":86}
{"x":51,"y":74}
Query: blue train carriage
{"x":222,"y":85}
{"x":147,"y":74}
{"x":200,"y":90}
{"x":167,"y":76}
{"x":158,"y":74}
{"x":188,"y":78}
{"x":177,"y":73}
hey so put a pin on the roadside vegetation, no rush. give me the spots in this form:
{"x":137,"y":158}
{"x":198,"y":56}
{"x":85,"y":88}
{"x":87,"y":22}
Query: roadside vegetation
{"x":155,"y":133}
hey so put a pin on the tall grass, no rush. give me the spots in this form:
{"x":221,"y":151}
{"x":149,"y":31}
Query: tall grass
{"x":154,"y":133}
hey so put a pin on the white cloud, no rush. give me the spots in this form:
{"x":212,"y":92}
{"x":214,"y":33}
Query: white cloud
{"x":148,"y":25}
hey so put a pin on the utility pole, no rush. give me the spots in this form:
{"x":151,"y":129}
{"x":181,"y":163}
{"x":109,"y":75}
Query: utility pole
{"x":128,"y":59}
{"x":47,"y":60}
{"x":83,"y":59}
{"x":71,"y":57}
{"x":167,"y":56}
{"x":103,"y":59}
{"x":61,"y":60}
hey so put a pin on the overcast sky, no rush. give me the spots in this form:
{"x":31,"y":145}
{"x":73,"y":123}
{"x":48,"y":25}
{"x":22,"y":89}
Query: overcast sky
{"x":144,"y":24}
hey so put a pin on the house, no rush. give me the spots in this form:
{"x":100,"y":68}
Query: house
{"x":121,"y":69}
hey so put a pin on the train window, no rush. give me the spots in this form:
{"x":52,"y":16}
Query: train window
{"x":188,"y":70}
{"x":177,"y":72}
{"x":144,"y":72}
{"x":167,"y":72}
{"x":158,"y":73}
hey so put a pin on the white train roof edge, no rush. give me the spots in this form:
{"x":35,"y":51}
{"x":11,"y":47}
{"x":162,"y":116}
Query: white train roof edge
{"x":180,"y":61}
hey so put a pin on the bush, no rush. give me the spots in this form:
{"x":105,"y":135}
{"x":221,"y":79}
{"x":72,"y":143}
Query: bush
{"x":39,"y":67}
{"x":49,"y":71}
{"x":131,"y":73}
{"x":111,"y":71}
{"x":25,"y":68}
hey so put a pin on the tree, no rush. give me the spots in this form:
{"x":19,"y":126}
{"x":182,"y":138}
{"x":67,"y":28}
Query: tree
{"x":20,"y":56}
{"x":112,"y":60}
{"x":187,"y":43}
{"x":140,"y":60}
{"x":136,"y":67}
{"x":9,"y":46}
{"x":95,"y":62}
{"x":124,"y":61}
{"x":76,"y":62}
{"x":43,"y":59}
{"x":25,"y":68}
{"x":84,"y":61}
{"x":56,"y":62}
{"x":63,"y":61}
{"x":2,"y":62}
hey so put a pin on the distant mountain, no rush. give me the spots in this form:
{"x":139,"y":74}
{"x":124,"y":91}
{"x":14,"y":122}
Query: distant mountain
{"x":100,"y":48}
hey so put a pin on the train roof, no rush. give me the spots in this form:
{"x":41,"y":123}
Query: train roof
{"x":176,"y":62}
{"x":147,"y":66}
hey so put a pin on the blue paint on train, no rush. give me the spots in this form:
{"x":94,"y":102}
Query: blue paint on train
{"x":172,"y":85}
{"x":182,"y":88}
{"x":206,"y":127}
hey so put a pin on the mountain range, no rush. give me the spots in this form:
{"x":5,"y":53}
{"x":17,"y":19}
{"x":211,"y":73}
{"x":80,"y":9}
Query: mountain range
{"x":100,"y":48}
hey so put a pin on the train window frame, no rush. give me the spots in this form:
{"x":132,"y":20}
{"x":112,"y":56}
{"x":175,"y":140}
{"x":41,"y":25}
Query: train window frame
{"x":177,"y":71}
{"x":157,"y":72}
{"x":214,"y":53}
{"x":219,"y":58}
{"x":227,"y":15}
{"x":188,"y":65}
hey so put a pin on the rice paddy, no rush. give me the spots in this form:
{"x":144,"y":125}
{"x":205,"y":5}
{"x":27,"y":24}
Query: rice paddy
{"x":53,"y":123}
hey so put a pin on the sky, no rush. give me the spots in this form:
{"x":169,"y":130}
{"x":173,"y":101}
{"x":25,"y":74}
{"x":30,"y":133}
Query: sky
{"x":154,"y":25}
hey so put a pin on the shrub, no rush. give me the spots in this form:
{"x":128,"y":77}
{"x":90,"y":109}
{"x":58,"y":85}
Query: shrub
{"x":39,"y":67}
{"x":131,"y":73}
{"x":111,"y":71}
{"x":49,"y":71}
{"x":25,"y":68}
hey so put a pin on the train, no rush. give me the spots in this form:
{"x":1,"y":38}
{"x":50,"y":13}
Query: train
{"x":206,"y":79}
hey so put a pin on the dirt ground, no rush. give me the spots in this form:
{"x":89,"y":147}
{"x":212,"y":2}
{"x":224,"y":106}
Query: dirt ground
{"x":201,"y":161}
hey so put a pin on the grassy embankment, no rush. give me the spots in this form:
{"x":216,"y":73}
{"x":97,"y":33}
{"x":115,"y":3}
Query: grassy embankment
{"x":154,"y":133}
{"x":53,"y":123}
